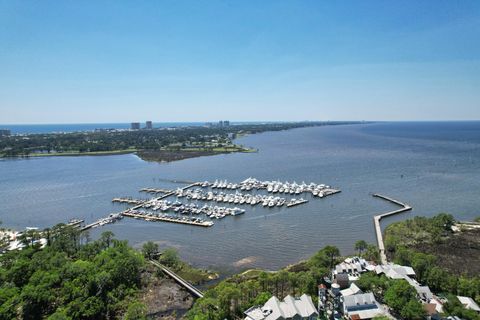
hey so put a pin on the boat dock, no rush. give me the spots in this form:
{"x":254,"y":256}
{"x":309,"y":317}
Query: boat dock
{"x":75,"y":222}
{"x":296,"y":202}
{"x":128,"y":200}
{"x":113,"y":217}
{"x":184,"y":283}
{"x":136,"y":215}
{"x":155,"y":190}
{"x":378,"y":218}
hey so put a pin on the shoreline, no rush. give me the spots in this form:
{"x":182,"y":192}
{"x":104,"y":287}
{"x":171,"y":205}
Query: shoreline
{"x":160,"y":156}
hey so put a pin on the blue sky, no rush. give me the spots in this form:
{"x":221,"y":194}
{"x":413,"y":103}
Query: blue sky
{"x":119,"y":61}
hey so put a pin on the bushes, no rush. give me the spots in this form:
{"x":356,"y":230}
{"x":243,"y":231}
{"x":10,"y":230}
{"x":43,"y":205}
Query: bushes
{"x":401,"y":238}
{"x":63,"y":281}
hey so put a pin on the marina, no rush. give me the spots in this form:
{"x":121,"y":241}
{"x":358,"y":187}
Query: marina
{"x":185,"y":212}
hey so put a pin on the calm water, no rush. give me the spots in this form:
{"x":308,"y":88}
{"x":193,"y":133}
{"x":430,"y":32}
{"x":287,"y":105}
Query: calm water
{"x":435,"y":167}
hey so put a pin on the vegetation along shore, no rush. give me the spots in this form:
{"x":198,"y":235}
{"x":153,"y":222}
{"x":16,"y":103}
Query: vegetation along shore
{"x":70,"y":277}
{"x":160,"y":144}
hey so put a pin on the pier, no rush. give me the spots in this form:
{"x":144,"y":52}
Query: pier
{"x":155,"y":190}
{"x":184,"y":283}
{"x":378,"y":218}
{"x":128,"y":200}
{"x":131,"y":214}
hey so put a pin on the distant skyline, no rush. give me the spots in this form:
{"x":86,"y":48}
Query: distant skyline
{"x":201,"y":61}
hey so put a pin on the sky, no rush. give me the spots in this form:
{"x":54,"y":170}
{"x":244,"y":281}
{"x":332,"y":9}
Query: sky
{"x":123,"y":61}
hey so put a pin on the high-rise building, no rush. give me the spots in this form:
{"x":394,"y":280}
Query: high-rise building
{"x":148,"y":125}
{"x":4,"y":132}
{"x":135,"y":126}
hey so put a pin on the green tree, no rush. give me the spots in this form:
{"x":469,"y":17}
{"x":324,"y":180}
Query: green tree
{"x":170,"y":258}
{"x":136,"y":311}
{"x":150,"y":250}
{"x":413,"y":310}
{"x":106,"y":238}
{"x":360,"y":246}
{"x":399,"y":294}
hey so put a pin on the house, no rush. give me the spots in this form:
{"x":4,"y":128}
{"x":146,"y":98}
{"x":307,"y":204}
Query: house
{"x":353,"y":266}
{"x":362,"y":306}
{"x":431,"y":311}
{"x":353,"y":289}
{"x":469,"y":303}
{"x":301,"y":308}
{"x":342,"y":280}
{"x":395,"y":271}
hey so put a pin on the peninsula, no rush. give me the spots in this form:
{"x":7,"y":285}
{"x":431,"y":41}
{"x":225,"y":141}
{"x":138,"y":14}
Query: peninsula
{"x":156,"y":144}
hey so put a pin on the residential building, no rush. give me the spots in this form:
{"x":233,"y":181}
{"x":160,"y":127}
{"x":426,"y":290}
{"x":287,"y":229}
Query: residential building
{"x":149,"y":125}
{"x":395,"y":271}
{"x":342,"y":280}
{"x":135,"y":126}
{"x":469,"y":303}
{"x":353,"y":266}
{"x":301,"y":308}
{"x":4,"y":132}
{"x":431,"y":311}
{"x":362,"y":306}
{"x":352,"y":290}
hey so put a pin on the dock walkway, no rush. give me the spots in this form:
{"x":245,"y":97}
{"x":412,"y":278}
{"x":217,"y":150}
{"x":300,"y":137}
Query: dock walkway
{"x":184,"y":283}
{"x":378,"y":218}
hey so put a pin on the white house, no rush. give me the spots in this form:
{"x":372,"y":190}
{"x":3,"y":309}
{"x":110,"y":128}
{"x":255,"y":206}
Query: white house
{"x":469,"y":303}
{"x":362,"y":306}
{"x":300,"y":308}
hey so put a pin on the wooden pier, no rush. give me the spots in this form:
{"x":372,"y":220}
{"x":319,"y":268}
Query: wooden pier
{"x":377,"y":218}
{"x":184,"y":283}
{"x":166,"y":219}
{"x":296,"y":203}
{"x":155,"y":190}
{"x":129,"y":201}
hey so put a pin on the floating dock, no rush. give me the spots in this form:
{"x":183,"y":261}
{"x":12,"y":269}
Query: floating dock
{"x":296,"y":203}
{"x":377,"y":218}
{"x":129,"y":201}
{"x":155,"y":190}
{"x":167,"y":219}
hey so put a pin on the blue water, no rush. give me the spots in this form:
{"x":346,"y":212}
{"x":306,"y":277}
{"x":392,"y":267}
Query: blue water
{"x":435,"y":167}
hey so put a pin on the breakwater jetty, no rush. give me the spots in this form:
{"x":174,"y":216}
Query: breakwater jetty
{"x":378,"y":218}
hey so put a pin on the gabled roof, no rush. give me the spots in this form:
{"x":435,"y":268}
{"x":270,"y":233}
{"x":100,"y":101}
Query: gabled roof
{"x":354,"y":289}
{"x":469,"y":303}
{"x":360,"y":300}
{"x":289,"y":308}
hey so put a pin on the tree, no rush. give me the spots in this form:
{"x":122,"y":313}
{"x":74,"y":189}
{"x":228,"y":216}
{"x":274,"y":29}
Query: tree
{"x":332,"y":252}
{"x":399,"y":294}
{"x":360,"y":246}
{"x":170,"y":258}
{"x":413,"y":310}
{"x":136,"y":311}
{"x":106,"y":238}
{"x":150,"y":250}
{"x":372,"y":253}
